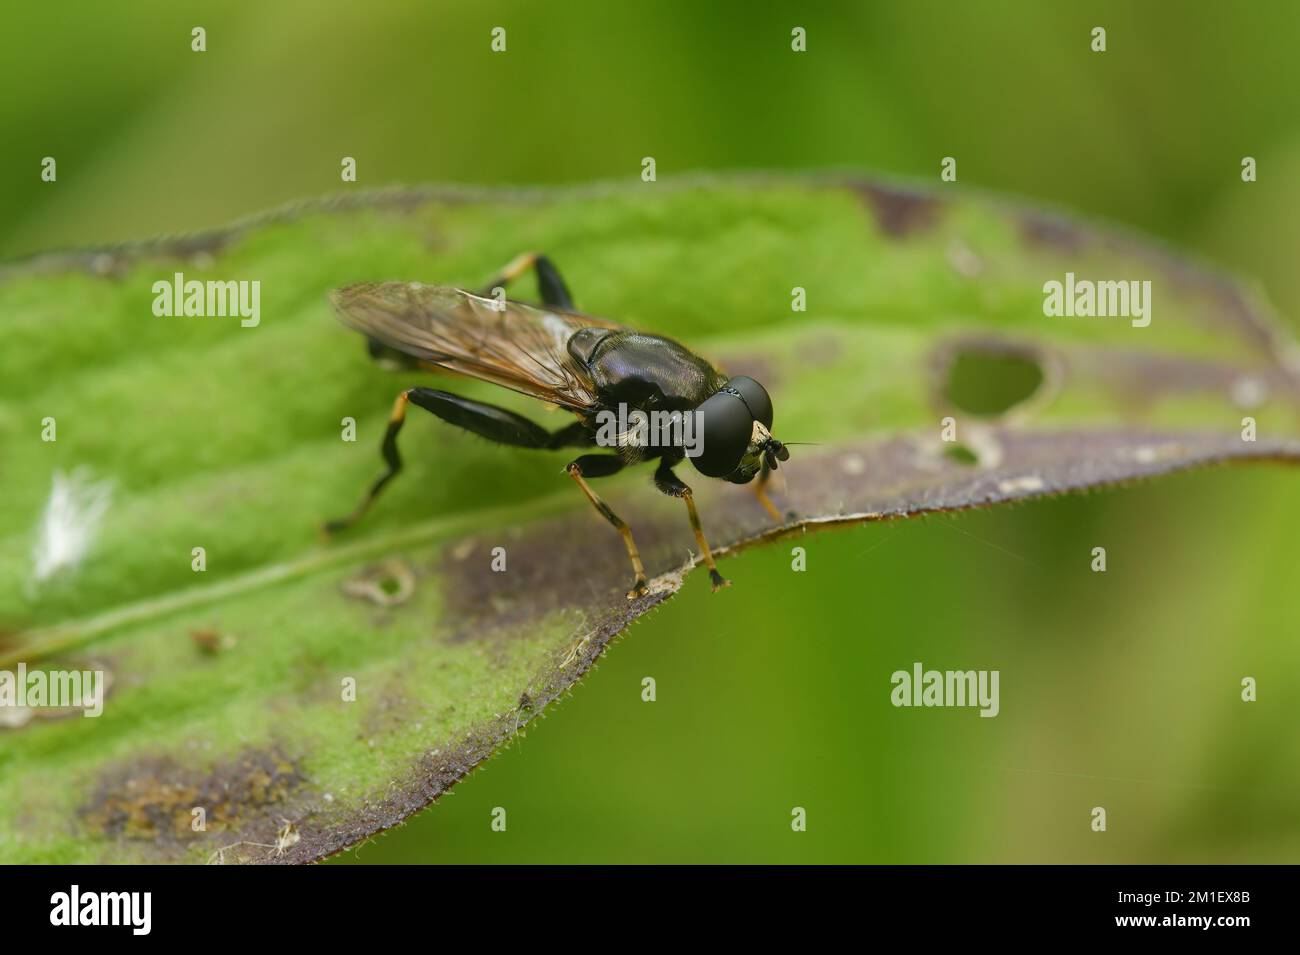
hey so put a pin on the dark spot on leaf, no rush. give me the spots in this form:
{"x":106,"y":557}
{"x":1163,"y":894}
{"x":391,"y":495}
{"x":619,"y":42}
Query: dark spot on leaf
{"x":557,"y":564}
{"x":899,"y":211}
{"x":153,"y":798}
{"x":1052,"y":232}
{"x":757,"y":367}
{"x":211,"y":642}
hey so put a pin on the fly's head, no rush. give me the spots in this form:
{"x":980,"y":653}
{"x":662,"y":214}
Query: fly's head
{"x":735,"y":433}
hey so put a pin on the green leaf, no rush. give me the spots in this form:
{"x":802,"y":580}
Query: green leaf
{"x":226,"y":684}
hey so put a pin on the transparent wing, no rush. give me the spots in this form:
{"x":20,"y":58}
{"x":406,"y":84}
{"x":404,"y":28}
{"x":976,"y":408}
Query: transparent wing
{"x":517,"y":346}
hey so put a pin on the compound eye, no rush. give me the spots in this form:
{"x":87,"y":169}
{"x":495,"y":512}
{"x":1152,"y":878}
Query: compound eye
{"x":725,"y":426}
{"x":756,"y":398}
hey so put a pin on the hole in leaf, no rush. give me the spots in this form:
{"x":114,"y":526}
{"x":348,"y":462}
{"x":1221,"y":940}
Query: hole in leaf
{"x":961,"y":454}
{"x":388,"y":585}
{"x":990,"y":381}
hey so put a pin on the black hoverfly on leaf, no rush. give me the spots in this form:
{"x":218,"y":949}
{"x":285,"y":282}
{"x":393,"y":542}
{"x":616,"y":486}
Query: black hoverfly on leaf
{"x":582,"y":364}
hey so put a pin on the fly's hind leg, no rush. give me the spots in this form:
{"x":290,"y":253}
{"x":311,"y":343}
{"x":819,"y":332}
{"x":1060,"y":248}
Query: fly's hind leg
{"x":392,"y":459}
{"x":603,"y":465}
{"x":487,"y":421}
{"x":673,"y":486}
{"x":550,"y":286}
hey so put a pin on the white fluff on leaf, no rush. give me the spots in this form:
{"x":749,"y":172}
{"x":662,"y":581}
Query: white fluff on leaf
{"x":72,"y":515}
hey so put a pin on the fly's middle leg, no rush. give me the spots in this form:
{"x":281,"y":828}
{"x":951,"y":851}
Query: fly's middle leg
{"x":603,"y":465}
{"x":672,"y":485}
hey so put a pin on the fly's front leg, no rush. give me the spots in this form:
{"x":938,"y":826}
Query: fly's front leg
{"x":603,"y":465}
{"x":760,"y":492}
{"x":672,"y":485}
{"x":549,"y":284}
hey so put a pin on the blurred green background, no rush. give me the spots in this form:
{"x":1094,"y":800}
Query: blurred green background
{"x":1118,"y":690}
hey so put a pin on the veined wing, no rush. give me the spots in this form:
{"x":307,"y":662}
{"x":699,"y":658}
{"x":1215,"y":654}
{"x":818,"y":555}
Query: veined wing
{"x":517,"y":346}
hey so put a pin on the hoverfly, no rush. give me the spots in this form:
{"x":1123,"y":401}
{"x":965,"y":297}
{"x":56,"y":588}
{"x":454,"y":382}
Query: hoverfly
{"x":582,"y":364}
